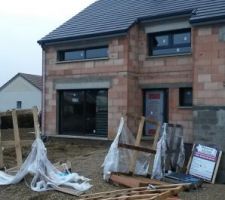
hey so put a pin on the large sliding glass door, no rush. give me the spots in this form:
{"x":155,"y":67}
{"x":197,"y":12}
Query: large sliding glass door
{"x":83,"y":112}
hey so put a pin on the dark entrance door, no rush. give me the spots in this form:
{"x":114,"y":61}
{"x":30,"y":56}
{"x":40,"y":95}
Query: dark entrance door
{"x":155,"y":106}
{"x":83,"y":112}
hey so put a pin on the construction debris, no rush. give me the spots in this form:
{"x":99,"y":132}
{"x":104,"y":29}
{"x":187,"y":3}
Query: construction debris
{"x":170,"y":155}
{"x":125,"y":154}
{"x":162,"y":192}
{"x":45,"y":175}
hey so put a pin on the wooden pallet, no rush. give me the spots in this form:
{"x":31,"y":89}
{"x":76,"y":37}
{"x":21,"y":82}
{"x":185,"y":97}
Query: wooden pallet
{"x":161,"y":192}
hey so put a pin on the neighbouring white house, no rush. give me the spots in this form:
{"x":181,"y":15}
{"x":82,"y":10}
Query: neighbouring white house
{"x":23,"y":91}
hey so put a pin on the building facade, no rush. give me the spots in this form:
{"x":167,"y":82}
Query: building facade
{"x":167,"y":63}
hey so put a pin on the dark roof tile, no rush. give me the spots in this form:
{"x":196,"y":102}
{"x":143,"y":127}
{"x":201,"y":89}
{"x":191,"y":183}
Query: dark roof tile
{"x":108,"y":16}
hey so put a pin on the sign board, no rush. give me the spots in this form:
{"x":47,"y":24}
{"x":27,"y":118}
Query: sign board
{"x":204,"y":162}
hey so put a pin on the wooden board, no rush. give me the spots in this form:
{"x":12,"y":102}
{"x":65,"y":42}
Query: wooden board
{"x":17,"y":138}
{"x":1,"y":150}
{"x":133,"y":181}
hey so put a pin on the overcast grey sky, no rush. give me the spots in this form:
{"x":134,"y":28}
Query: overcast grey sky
{"x":24,"y":22}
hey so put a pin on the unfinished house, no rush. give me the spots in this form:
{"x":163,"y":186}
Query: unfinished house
{"x":163,"y":59}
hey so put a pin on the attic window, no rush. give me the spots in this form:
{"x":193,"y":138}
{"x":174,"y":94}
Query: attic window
{"x":170,"y":42}
{"x":82,"y":54}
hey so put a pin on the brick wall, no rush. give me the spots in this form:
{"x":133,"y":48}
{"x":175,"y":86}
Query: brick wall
{"x":209,"y":66}
{"x":114,"y":68}
{"x":129,"y":70}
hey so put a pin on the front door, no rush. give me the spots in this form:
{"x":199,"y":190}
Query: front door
{"x":155,"y":108}
{"x":83,"y":112}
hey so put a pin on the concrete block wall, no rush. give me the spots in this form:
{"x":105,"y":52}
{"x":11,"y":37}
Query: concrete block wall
{"x":209,"y":129}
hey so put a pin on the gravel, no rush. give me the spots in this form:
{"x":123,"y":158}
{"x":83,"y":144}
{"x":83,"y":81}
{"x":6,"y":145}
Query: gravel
{"x":86,"y":157}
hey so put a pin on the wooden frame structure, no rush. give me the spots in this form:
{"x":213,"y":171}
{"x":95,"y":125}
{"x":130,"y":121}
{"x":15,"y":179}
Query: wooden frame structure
{"x":136,"y":147}
{"x":17,"y":142}
{"x":161,"y":192}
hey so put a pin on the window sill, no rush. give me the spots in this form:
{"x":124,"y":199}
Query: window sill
{"x":185,"y":107}
{"x":82,"y":60}
{"x":169,"y":55}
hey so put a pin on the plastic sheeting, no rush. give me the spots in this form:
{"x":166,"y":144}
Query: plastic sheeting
{"x":45,"y":175}
{"x":119,"y":159}
{"x":162,"y":153}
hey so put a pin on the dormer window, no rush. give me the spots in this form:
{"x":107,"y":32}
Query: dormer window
{"x":170,"y":42}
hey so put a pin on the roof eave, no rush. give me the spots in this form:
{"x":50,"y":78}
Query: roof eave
{"x":82,"y":37}
{"x":208,"y":20}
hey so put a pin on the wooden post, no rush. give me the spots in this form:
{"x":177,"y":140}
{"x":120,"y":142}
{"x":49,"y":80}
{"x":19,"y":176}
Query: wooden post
{"x":17,"y":138}
{"x":1,"y":153}
{"x":36,"y":123}
{"x":137,"y":143}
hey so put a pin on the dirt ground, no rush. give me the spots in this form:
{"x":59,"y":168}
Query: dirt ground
{"x":86,"y":158}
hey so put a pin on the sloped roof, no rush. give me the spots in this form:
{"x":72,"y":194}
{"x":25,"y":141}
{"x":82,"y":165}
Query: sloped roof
{"x":115,"y":16}
{"x":35,"y":80}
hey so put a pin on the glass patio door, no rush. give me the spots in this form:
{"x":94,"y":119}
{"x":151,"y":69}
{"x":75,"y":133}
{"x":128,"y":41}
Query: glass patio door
{"x":83,"y":112}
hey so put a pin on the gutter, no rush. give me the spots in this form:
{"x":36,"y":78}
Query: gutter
{"x":209,"y":20}
{"x":82,"y":37}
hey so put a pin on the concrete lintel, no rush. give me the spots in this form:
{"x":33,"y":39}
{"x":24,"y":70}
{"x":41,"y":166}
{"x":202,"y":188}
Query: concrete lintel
{"x":83,"y":83}
{"x":164,"y":85}
{"x":208,"y":108}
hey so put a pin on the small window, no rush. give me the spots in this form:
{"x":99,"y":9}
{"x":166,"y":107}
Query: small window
{"x":82,"y":54}
{"x":185,"y":95}
{"x":173,"y":42}
{"x":19,"y":104}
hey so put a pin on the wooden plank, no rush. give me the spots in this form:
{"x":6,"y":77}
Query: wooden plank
{"x":137,"y":148}
{"x":36,"y":123}
{"x":67,"y":190}
{"x":216,"y":168}
{"x":137,"y":143}
{"x":1,"y":150}
{"x":11,"y":143}
{"x":17,"y":138}
{"x":157,"y":135}
{"x":19,"y":112}
{"x":131,"y":181}
{"x":135,"y":194}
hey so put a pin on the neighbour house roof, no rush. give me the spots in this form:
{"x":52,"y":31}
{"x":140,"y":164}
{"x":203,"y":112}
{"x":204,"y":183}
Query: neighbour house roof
{"x":35,"y":80}
{"x":105,"y":17}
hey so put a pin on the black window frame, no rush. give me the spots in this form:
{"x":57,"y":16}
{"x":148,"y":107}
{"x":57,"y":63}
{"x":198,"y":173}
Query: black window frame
{"x":182,"y":101}
{"x":170,"y":45}
{"x":61,"y":54}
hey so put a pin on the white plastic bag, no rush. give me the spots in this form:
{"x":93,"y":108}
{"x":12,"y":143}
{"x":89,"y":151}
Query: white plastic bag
{"x":46,"y":176}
